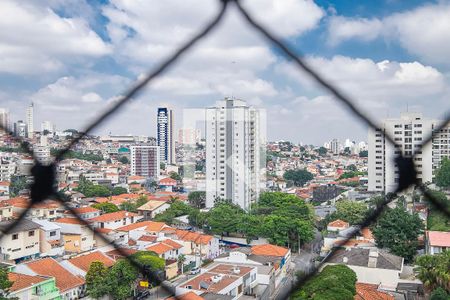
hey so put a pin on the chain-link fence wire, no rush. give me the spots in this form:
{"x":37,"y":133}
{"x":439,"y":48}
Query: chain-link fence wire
{"x":44,"y":176}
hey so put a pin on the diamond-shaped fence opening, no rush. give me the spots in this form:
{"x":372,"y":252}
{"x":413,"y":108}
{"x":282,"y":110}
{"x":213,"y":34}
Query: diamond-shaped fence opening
{"x":44,"y":181}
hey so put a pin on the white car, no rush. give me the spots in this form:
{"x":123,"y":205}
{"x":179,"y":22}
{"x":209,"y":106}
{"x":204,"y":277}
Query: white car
{"x":195,"y":271}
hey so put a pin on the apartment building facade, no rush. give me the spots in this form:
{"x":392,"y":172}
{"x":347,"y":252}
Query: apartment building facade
{"x":235,"y":151}
{"x":145,"y":161}
{"x":165,"y":135}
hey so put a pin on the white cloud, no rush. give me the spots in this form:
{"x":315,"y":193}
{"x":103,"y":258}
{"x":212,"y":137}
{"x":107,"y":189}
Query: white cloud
{"x":34,"y":39}
{"x":422,"y":31}
{"x":341,"y":29}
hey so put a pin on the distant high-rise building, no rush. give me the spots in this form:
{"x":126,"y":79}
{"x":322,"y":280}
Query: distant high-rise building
{"x":235,"y":144}
{"x":408,"y":132}
{"x":334,"y":146}
{"x":30,"y":120}
{"x":48,"y":127}
{"x":165,"y":136}
{"x":188,"y":136}
{"x":145,"y":161}
{"x":20,"y":129}
{"x":4,"y":119}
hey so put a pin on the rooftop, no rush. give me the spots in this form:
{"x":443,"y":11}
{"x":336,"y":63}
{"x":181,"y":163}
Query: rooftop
{"x":360,"y":257}
{"x":269,"y":250}
{"x":438,"y":238}
{"x":114,"y":216}
{"x":23,"y":225}
{"x":366,"y":291}
{"x":83,"y":262}
{"x":50,"y":267}
{"x":22,"y":281}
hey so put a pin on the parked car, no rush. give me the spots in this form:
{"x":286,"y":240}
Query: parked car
{"x":195,"y":271}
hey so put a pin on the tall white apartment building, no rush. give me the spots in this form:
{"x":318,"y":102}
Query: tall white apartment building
{"x":4,"y":119}
{"x":235,"y":153}
{"x":145,"y":161}
{"x":188,"y":136}
{"x":408,"y":132}
{"x":334,"y":146}
{"x":165,"y":137}
{"x":30,"y":120}
{"x":48,"y":126}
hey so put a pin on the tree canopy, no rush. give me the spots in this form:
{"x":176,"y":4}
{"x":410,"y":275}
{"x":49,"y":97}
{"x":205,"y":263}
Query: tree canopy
{"x":434,"y":270}
{"x":197,"y":199}
{"x":121,"y":278}
{"x":443,"y":174}
{"x":96,"y":285}
{"x":398,"y":231}
{"x":298,"y":177}
{"x":5,"y":283}
{"x":352,"y":212}
{"x":106,"y":207}
{"x":335,"y":282}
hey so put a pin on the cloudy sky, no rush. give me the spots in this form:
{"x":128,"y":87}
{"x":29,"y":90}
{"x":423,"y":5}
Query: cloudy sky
{"x":73,"y":58}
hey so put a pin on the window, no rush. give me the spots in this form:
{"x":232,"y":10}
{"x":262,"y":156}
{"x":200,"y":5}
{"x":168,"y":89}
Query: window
{"x":15,"y":236}
{"x":52,"y":233}
{"x":31,"y":233}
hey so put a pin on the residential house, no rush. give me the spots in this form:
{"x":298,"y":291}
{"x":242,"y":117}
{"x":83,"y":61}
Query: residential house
{"x":167,"y":184}
{"x":47,"y":209}
{"x":371,"y":266}
{"x":6,"y":211}
{"x":222,"y":279}
{"x":270,"y":252}
{"x":153,"y":207}
{"x":76,"y":235}
{"x":195,"y":242}
{"x":4,"y":188}
{"x":86,"y":212}
{"x":337,"y":225}
{"x":21,"y":242}
{"x":70,"y":286}
{"x":437,"y":241}
{"x":265,"y":268}
{"x":32,"y":287}
{"x":115,"y":220}
{"x":366,"y":291}
{"x":51,"y":243}
{"x":79,"y":265}
{"x":149,"y":228}
{"x":167,"y":249}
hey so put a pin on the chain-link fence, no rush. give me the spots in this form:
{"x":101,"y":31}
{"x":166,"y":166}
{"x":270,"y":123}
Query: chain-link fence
{"x":44,"y":176}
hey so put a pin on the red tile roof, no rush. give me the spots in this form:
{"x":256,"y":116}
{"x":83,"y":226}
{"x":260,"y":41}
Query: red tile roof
{"x":86,"y":209}
{"x":439,"y":238}
{"x":168,"y":181}
{"x":339,"y":224}
{"x":83,"y":262}
{"x":187,"y":296}
{"x":22,"y":281}
{"x":159,"y":248}
{"x":114,"y":216}
{"x":195,"y":237}
{"x":269,"y":250}
{"x":69,"y":221}
{"x":50,"y":267}
{"x":366,"y":291}
{"x":149,"y":226}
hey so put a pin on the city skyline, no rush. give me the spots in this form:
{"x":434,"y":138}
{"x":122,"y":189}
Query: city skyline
{"x":349,"y":44}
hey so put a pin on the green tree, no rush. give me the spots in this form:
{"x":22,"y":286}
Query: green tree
{"x":434,"y":270}
{"x":398,"y":231}
{"x":18,"y":183}
{"x":5,"y":283}
{"x":96,"y":284}
{"x":250,"y":226}
{"x":439,"y":294}
{"x":152,"y":264}
{"x":118,"y":190}
{"x":124,"y":160}
{"x":322,"y":151}
{"x":177,"y":208}
{"x":121,"y":279}
{"x":363,"y":153}
{"x":224,"y":218}
{"x":162,"y":166}
{"x":181,"y":261}
{"x":106,"y":207}
{"x":443,"y":174}
{"x":197,"y":199}
{"x":298,"y":177}
{"x":437,"y":220}
{"x":175,"y":176}
{"x":335,"y":282}
{"x":350,"y":211}
{"x":352,"y":167}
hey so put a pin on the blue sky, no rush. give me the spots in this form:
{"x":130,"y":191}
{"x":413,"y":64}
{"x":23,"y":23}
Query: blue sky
{"x":73,"y":58}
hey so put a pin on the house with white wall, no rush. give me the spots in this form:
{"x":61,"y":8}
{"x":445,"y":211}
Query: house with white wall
{"x":437,"y":242}
{"x":51,"y":243}
{"x":76,"y":235}
{"x":115,"y":220}
{"x":21,"y":242}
